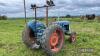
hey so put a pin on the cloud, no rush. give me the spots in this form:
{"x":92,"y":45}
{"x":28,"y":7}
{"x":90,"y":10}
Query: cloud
{"x":63,"y":7}
{"x":88,"y":3}
{"x":2,"y":4}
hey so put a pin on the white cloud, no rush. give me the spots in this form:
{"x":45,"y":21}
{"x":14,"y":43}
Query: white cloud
{"x":63,"y":7}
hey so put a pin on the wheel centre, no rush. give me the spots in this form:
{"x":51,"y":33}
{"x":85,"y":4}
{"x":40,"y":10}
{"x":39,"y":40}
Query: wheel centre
{"x":54,"y":39}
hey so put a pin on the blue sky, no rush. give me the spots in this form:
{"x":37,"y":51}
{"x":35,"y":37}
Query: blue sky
{"x":14,"y":8}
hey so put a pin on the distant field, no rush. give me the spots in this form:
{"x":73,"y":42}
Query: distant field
{"x":88,"y":36}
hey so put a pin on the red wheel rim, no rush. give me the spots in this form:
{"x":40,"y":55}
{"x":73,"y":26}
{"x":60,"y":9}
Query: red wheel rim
{"x":56,"y":40}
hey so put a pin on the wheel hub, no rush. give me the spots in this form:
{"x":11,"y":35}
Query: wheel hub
{"x":73,"y":38}
{"x":54,"y":39}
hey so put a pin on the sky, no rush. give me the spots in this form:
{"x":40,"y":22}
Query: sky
{"x":14,"y":8}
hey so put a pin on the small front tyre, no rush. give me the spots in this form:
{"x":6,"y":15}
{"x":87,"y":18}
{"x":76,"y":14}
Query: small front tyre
{"x":72,"y":38}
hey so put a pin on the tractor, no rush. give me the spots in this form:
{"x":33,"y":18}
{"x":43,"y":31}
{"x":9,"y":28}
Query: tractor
{"x":49,"y":37}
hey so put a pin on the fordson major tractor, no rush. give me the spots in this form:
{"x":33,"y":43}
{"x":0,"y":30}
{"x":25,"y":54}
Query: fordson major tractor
{"x":49,"y":37}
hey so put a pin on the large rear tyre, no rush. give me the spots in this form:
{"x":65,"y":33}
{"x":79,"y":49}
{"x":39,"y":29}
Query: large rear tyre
{"x":28,"y":37}
{"x":53,"y":40}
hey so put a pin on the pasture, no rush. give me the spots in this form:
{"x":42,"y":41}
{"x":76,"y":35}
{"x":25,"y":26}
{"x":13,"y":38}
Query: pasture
{"x":88,"y":36}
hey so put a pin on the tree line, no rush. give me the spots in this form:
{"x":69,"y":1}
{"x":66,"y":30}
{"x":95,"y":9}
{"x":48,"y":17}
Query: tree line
{"x":4,"y":17}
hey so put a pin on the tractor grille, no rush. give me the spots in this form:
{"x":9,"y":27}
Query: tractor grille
{"x":66,"y":27}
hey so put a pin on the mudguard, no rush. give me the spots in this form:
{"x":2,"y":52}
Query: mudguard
{"x":37,"y":27}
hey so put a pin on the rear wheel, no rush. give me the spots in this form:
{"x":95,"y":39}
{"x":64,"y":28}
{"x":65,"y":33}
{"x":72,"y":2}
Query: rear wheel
{"x":54,"y":39}
{"x":28,"y":37}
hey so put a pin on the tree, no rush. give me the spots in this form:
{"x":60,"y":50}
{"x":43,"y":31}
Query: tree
{"x":4,"y":17}
{"x":68,"y":16}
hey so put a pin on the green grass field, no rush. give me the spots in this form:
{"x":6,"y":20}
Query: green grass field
{"x":88,"y":36}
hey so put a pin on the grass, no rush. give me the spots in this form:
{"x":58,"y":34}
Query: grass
{"x":88,"y":36}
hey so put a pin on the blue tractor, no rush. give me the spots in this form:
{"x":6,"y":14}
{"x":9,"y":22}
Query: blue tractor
{"x":50,"y":38}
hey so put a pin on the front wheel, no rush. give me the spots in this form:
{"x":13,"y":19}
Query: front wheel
{"x":54,"y":39}
{"x":72,"y":38}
